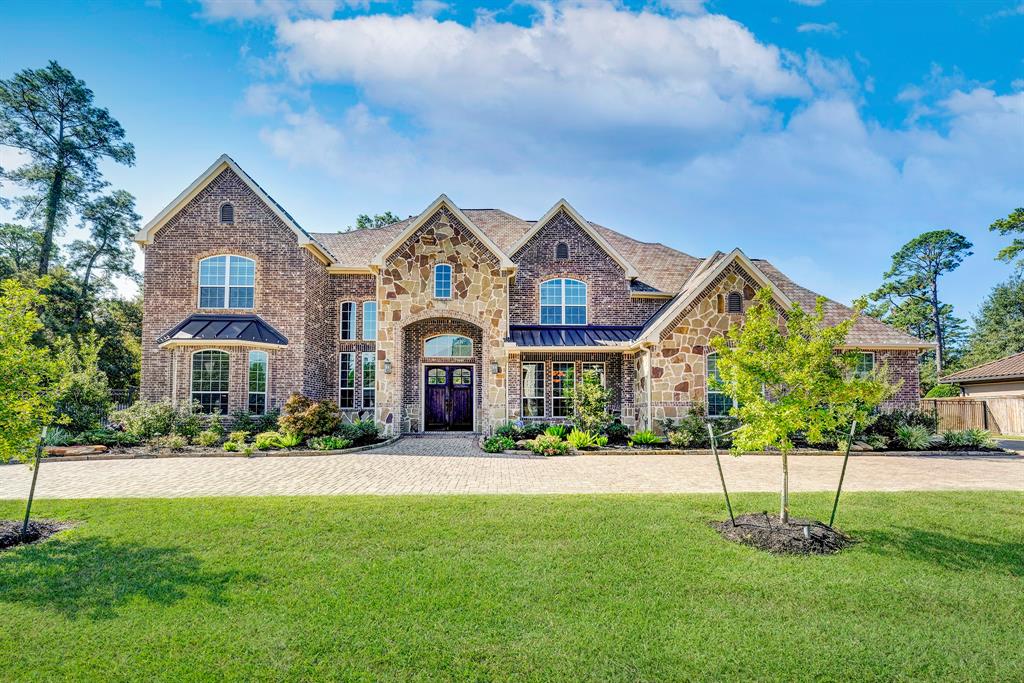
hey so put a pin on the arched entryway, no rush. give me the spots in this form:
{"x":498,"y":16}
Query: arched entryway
{"x":442,"y":375}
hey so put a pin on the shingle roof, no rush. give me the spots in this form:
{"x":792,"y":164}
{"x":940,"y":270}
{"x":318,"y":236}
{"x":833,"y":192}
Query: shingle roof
{"x":584,"y":335}
{"x":1011,"y":367}
{"x":223,"y":327}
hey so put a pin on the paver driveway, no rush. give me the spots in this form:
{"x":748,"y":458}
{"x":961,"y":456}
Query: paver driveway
{"x":466,"y":470}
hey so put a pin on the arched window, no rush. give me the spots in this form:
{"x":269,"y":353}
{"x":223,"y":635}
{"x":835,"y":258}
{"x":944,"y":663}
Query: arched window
{"x":563,"y":302}
{"x":448,"y":346}
{"x":257,"y":403}
{"x":442,"y":281}
{"x":227,"y":213}
{"x":227,"y":281}
{"x":735,"y":303}
{"x":562,"y":251}
{"x":210,"y":381}
{"x":719,"y":403}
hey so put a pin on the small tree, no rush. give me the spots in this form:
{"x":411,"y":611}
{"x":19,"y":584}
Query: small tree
{"x":590,"y":399}
{"x":84,"y":398}
{"x":787,"y":376}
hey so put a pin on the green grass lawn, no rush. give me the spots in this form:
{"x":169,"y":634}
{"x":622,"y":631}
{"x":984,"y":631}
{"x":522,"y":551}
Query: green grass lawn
{"x":535,"y":587}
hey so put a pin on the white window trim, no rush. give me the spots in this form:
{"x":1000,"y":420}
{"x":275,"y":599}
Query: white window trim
{"x":451,"y":277}
{"x":227,"y":284}
{"x":192,"y":372}
{"x":708,"y":391}
{"x":266,"y":380}
{"x":352,"y":364}
{"x":575,"y":379}
{"x":874,"y":359}
{"x":362,"y":378}
{"x":355,"y":323}
{"x":543,"y":391}
{"x":564,"y":305}
{"x":362,"y":311}
{"x":448,"y":334}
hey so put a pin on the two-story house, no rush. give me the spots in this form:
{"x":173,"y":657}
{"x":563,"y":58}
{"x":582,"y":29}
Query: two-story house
{"x":455,"y":319}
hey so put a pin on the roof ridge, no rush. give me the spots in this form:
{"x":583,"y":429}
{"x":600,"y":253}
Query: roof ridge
{"x":985,"y":364}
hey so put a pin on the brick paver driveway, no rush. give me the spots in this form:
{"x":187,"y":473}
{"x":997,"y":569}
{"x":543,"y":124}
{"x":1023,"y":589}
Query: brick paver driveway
{"x":457,"y":466}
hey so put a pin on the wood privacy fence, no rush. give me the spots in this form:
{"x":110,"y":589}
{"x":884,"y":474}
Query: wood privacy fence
{"x":998,"y":415}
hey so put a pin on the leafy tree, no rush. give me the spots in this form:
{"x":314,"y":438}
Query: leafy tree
{"x":50,"y":114}
{"x":84,"y":397}
{"x":788,"y":378}
{"x":914,"y":316}
{"x":914,"y":276}
{"x":119,"y":325}
{"x":590,"y":403}
{"x":998,"y":325}
{"x":19,"y":248}
{"x":379,"y":220}
{"x":1012,"y":224}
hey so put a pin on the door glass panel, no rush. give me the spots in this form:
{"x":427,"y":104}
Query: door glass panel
{"x":462,"y":376}
{"x":436,"y":376}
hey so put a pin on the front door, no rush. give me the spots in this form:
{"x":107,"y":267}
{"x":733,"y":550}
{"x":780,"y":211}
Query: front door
{"x":448,"y":398}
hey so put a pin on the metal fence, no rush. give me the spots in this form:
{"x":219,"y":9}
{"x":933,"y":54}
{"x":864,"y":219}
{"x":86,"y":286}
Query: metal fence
{"x":124,"y":397}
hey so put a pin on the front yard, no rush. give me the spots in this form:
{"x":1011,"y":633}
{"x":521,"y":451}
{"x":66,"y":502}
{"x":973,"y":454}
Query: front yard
{"x":539,"y":587}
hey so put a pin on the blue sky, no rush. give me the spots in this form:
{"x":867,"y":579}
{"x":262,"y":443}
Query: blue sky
{"x":818,"y":134}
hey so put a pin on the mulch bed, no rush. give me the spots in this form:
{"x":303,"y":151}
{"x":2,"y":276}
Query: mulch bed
{"x":38,"y":530}
{"x":798,"y":537}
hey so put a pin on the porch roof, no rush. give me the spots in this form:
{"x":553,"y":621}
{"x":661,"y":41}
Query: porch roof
{"x":575,"y":335}
{"x":225,"y":329}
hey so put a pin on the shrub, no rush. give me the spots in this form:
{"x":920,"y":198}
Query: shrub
{"x":104,"y":437}
{"x":590,"y":401}
{"x":531,"y":430}
{"x":645,"y":437}
{"x":267,"y":422}
{"x":359,"y":432}
{"x":329,"y":443}
{"x":680,"y":439}
{"x":231,"y":446}
{"x":238,"y":436}
{"x":83,"y":401}
{"x":208,"y":438}
{"x":188,"y":421}
{"x":557,"y":431}
{"x":510,"y":430}
{"x":601,"y":441}
{"x":943,"y":391}
{"x":582,"y":440}
{"x":290,"y":440}
{"x":886,"y":424}
{"x":877,"y":441}
{"x":968,"y":438}
{"x":267,"y":441}
{"x":146,"y":420}
{"x":546,"y":444}
{"x":215,"y":424}
{"x":617,"y":432}
{"x":309,"y":418}
{"x":498,"y":444}
{"x":55,"y":436}
{"x":244,"y":421}
{"x":171,"y":442}
{"x":913,"y":437}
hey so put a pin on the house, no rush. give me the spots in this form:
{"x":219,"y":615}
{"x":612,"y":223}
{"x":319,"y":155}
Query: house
{"x":455,"y":319}
{"x":996,"y":379}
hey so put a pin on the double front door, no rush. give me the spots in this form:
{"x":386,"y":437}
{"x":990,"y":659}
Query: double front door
{"x":448,"y":398}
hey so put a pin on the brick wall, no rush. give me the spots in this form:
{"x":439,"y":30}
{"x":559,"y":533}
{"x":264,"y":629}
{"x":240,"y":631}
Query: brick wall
{"x":903,"y":370}
{"x":413,"y":336}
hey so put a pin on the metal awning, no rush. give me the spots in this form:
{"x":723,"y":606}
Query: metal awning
{"x":596,"y":336}
{"x":222,"y":329}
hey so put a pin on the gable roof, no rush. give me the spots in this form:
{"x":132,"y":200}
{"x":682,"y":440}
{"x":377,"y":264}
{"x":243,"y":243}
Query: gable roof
{"x":224,"y":162}
{"x":1010,"y":367}
{"x":415,"y":224}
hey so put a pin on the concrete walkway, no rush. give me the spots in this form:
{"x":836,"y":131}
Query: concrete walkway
{"x":467,"y":470}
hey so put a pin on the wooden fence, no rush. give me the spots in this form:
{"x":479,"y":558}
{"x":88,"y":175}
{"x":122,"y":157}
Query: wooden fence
{"x":998,"y":415}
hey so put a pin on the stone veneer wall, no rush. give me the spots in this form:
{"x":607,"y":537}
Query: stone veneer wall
{"x":413,"y":360}
{"x":479,"y":297}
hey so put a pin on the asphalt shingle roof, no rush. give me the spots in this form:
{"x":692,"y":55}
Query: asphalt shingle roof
{"x":1010,"y":367}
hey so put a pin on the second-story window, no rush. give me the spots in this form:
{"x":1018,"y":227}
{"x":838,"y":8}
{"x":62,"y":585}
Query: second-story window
{"x":347,"y":321}
{"x":563,"y":302}
{"x":442,"y":281}
{"x":227,"y":281}
{"x":369,"y":320}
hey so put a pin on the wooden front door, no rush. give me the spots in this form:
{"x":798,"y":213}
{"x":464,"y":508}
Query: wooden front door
{"x":448,"y":398}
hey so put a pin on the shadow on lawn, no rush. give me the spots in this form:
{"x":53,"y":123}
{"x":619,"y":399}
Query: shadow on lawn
{"x":944,"y":550}
{"x":93,"y":577}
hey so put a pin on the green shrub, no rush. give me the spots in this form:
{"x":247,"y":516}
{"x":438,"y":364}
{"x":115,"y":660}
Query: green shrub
{"x":509,"y":430}
{"x":238,"y":436}
{"x":208,"y":438}
{"x":309,"y":418}
{"x":231,"y":446}
{"x":215,"y":424}
{"x":244,"y":421}
{"x":886,"y":424}
{"x":290,"y":440}
{"x":359,"y":432}
{"x":498,"y":444}
{"x":171,"y":442}
{"x":644,"y":437}
{"x":146,"y":420}
{"x":267,"y":441}
{"x":943,"y":391}
{"x":56,"y":436}
{"x":968,"y":438}
{"x":876,"y":441}
{"x":547,"y":444}
{"x":582,"y":440}
{"x":617,"y":432}
{"x":329,"y":443}
{"x":104,"y":437}
{"x":248,"y":449}
{"x":531,"y":430}
{"x":83,"y":401}
{"x":557,"y":431}
{"x":913,"y":437}
{"x":601,"y":441}
{"x":590,"y":403}
{"x":680,"y":439}
{"x":188,"y":422}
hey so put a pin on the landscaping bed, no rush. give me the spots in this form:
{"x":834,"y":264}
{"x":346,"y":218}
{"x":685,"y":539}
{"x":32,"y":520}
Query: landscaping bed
{"x":796,"y":537}
{"x":38,"y":530}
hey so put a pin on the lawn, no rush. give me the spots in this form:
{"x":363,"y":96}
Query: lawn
{"x":526,"y":587}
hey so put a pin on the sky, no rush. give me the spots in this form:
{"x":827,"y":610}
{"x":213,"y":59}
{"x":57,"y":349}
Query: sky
{"x":820,"y":135}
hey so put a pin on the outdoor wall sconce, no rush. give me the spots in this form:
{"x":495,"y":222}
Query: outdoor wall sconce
{"x":495,"y":368}
{"x":387,"y":366}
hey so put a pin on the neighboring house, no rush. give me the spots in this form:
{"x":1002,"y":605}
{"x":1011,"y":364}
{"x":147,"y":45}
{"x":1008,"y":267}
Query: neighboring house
{"x":456,"y":319}
{"x":995,"y":379}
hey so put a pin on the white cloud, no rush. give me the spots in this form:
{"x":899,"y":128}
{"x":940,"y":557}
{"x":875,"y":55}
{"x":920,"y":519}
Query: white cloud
{"x":274,"y":10}
{"x":429,"y":8}
{"x":1014,"y":11}
{"x":809,"y":3}
{"x":831,"y":28}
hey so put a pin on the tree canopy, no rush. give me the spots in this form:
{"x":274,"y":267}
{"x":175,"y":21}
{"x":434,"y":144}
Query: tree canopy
{"x":1011,"y":225}
{"x":998,"y":325}
{"x":378,"y":220}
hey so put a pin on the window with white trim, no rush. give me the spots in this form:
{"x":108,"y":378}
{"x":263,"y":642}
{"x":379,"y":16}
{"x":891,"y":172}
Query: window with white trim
{"x":533,"y":390}
{"x":227,"y":281}
{"x":448,"y":346}
{"x":369,"y":379}
{"x":257,"y":399}
{"x":347,"y":380}
{"x":599,"y":368}
{"x":347,"y":320}
{"x":563,"y":382}
{"x":865,"y":363}
{"x":442,"y":281}
{"x":563,"y":301}
{"x":719,"y":403}
{"x":210,"y":381}
{"x":369,"y":320}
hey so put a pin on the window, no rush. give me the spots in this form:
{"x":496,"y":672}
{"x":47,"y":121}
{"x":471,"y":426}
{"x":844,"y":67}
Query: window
{"x":448,"y":346}
{"x":347,"y":323}
{"x":369,"y":379}
{"x":370,"y":320}
{"x":533,"y":389}
{"x":257,"y":382}
{"x":347,"y":380}
{"x":865,"y":363}
{"x":227,"y":213}
{"x":735,"y":303}
{"x":227,"y":282}
{"x":210,"y":381}
{"x":719,"y":403}
{"x":563,"y":302}
{"x":442,"y":281}
{"x":563,"y":381}
{"x":562,"y":251}
{"x":462,"y":377}
{"x":598,"y":368}
{"x":437,"y":376}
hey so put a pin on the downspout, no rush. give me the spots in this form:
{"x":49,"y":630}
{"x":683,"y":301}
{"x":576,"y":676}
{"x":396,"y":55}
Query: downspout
{"x":650,"y":389}
{"x":174,"y":375}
